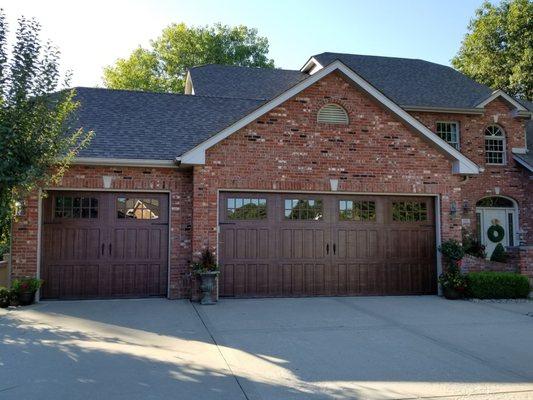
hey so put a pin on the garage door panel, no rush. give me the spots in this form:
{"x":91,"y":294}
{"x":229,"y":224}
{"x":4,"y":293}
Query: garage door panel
{"x":94,"y":253}
{"x":368,"y":251}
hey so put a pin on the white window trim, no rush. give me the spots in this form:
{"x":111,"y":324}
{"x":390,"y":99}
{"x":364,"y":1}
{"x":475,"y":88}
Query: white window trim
{"x":503,"y":138}
{"x":458,"y":125}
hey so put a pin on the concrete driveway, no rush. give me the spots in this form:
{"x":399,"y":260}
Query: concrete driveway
{"x":320,"y":348}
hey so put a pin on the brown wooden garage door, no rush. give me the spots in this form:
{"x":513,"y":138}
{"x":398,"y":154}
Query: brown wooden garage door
{"x":330,"y":245}
{"x":104,"y":245}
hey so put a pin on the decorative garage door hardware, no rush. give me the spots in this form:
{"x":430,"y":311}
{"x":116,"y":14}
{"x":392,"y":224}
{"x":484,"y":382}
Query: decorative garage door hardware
{"x":104,"y":245}
{"x":329,"y":245}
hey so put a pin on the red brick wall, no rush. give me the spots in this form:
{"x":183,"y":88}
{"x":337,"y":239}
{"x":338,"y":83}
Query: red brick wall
{"x":511,"y":178}
{"x":177,"y":182}
{"x":287,"y":150}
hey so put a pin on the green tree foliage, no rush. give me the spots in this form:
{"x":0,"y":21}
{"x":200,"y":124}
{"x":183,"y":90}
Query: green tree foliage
{"x":36,"y":143}
{"x":498,"y":48}
{"x":163,"y":67}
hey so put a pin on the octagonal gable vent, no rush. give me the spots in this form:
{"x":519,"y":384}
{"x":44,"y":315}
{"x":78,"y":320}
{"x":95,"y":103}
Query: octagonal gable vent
{"x":332,"y":114}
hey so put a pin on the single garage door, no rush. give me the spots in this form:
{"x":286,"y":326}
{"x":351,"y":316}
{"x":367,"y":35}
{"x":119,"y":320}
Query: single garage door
{"x":326,"y":245}
{"x":104,"y":245}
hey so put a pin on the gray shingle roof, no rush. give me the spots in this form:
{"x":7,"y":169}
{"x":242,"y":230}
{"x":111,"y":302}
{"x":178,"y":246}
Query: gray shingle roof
{"x":411,"y":82}
{"x":243,"y":82}
{"x":158,"y":126}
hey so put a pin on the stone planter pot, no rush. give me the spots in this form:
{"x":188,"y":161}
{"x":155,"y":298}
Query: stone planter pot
{"x":207,"y":284}
{"x":451,"y":294}
{"x":26,"y":298}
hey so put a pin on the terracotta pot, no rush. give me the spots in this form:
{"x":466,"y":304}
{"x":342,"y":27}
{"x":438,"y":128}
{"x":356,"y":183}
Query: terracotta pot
{"x":26,"y":298}
{"x":452,"y":294}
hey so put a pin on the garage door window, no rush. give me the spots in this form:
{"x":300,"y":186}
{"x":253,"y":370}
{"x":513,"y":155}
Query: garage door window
{"x":409,"y":211}
{"x":305,"y":209}
{"x":137,"y":208}
{"x":76,"y":207}
{"x":243,"y":209}
{"x":350,"y":210}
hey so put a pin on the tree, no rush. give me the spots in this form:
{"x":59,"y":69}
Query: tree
{"x":498,"y":48}
{"x":36,"y":140}
{"x":163,"y":67}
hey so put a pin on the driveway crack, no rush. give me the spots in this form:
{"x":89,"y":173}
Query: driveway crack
{"x":199,"y":314}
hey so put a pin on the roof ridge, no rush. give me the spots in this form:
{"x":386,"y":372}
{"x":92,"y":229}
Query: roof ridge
{"x":164,"y":93}
{"x":244,"y":66}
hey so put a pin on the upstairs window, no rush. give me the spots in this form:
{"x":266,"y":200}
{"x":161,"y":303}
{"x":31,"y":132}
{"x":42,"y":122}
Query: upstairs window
{"x":494,"y":145}
{"x":449,"y":132}
{"x":332,"y":114}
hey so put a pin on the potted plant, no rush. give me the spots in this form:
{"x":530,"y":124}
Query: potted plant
{"x":25,"y":289}
{"x":453,"y":282}
{"x":207,"y":269}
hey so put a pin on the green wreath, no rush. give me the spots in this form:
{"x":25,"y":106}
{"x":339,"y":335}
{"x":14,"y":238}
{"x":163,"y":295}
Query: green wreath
{"x":495,"y":233}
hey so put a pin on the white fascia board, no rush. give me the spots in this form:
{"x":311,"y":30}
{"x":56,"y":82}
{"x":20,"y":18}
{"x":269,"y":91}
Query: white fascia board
{"x":501,"y":93}
{"x":124,"y":162}
{"x":311,"y":66}
{"x":519,"y":150}
{"x":463,"y":165}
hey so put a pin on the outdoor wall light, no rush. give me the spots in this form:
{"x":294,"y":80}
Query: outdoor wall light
{"x":334,"y":184}
{"x":466,"y":206}
{"x":20,"y":208}
{"x":453,"y":209}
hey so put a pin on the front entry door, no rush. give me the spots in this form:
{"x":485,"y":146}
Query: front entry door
{"x":496,"y":216}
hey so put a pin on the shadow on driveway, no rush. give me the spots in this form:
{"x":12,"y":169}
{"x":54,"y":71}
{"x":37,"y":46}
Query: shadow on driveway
{"x":309,"y":348}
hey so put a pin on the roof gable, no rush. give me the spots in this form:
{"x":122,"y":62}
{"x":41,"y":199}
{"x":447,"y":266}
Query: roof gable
{"x":461,"y":164}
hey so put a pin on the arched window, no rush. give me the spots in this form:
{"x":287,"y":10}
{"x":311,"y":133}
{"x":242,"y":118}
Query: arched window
{"x":332,"y":114}
{"x":494,"y":145}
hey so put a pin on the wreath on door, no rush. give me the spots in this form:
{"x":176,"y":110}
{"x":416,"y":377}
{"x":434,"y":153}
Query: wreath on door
{"x":495,"y":233}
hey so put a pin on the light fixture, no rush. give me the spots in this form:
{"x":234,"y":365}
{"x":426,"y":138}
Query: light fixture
{"x":466,"y":206}
{"x":20,"y":208}
{"x":497,"y":190}
{"x":334,"y":184}
{"x":453,"y":209}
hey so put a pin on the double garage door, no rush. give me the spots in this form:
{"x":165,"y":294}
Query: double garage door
{"x":104,"y":245}
{"x":331,"y":245}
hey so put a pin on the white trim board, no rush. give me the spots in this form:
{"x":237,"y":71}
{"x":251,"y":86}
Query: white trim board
{"x":523,"y":163}
{"x":124,"y":162}
{"x":461,"y":164}
{"x":501,"y":93}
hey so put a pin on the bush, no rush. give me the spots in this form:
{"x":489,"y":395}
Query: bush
{"x":6,"y":296}
{"x":499,"y":254}
{"x":497,"y":285}
{"x":472,"y":246}
{"x":452,"y":250}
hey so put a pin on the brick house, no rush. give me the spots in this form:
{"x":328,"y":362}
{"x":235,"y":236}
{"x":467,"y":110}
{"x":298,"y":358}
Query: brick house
{"x":338,"y":179}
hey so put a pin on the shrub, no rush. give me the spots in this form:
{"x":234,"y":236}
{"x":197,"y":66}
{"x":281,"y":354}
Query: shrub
{"x":472,"y":246}
{"x":497,"y":285}
{"x":499,"y":254}
{"x":5,"y":297}
{"x":452,"y":250}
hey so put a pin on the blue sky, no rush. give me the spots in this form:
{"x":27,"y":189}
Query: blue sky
{"x":92,"y":34}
